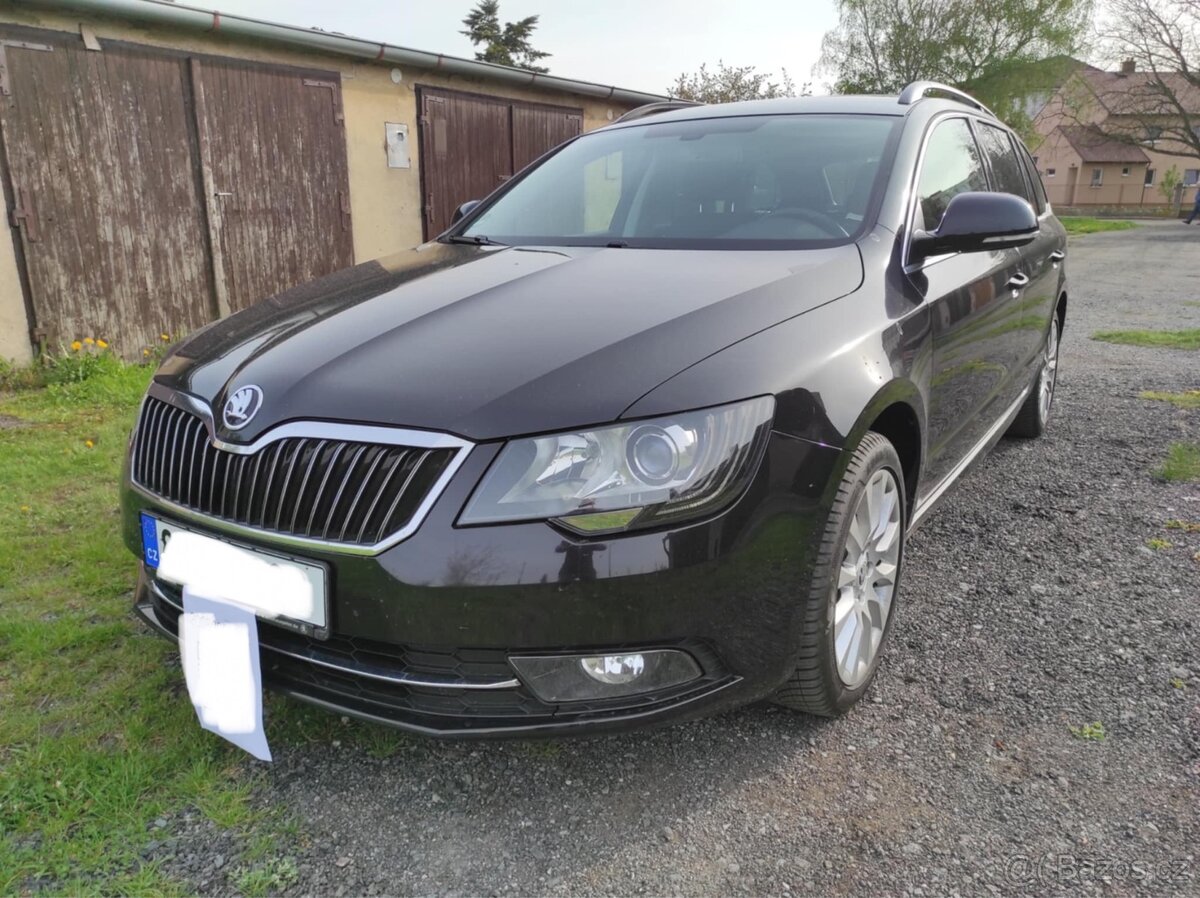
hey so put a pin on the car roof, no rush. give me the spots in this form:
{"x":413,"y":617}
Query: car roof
{"x":830,"y":105}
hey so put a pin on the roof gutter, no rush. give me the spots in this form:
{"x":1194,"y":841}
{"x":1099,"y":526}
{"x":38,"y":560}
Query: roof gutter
{"x":159,"y":12}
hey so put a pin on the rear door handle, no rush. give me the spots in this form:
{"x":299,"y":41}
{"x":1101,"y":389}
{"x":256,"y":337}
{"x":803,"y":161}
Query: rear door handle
{"x":1018,"y":280}
{"x":1057,"y":256}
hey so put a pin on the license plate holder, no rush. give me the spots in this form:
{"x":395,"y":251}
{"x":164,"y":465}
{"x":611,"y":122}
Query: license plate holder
{"x":281,"y":572}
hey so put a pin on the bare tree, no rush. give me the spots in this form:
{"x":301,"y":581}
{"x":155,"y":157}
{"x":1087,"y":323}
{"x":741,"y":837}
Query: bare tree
{"x":1154,"y":101}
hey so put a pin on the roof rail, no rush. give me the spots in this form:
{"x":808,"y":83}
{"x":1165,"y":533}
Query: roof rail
{"x":918,"y":89}
{"x":655,"y":109}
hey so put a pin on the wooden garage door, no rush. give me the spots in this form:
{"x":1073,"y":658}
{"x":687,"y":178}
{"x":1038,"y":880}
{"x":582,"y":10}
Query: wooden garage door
{"x":470,"y":144}
{"x":155,"y":190}
{"x":111,"y":218}
{"x":274,"y":158}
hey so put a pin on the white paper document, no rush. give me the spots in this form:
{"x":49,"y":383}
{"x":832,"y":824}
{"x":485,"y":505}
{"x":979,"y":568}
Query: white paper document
{"x":218,"y":642}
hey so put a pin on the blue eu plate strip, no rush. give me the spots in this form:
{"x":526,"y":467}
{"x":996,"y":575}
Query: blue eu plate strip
{"x":149,"y":540}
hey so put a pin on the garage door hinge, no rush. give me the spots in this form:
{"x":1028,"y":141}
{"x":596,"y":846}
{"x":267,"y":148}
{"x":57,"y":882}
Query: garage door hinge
{"x":5,"y":85}
{"x":23,"y":215}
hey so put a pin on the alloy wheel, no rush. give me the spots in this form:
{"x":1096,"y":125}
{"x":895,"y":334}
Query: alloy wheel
{"x":1049,"y":372}
{"x":866,"y":579}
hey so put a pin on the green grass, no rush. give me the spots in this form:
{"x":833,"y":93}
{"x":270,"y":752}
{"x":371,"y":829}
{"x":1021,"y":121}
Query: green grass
{"x":1182,"y":463}
{"x":1158,"y":543}
{"x":1089,"y":732}
{"x":268,"y":878}
{"x":1085,"y":225}
{"x":97,"y":736}
{"x":1184,"y":339}
{"x":1186,"y":399}
{"x":1185,"y":526}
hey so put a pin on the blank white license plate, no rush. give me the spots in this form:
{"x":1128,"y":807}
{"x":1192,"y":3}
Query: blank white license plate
{"x":274,"y":587}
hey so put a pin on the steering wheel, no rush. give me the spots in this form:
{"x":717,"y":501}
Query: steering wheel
{"x":825,"y":222}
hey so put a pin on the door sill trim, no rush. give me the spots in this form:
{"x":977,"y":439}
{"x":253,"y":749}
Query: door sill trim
{"x":923,"y":507}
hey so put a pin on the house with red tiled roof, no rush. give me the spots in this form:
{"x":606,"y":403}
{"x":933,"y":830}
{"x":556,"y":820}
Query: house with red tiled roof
{"x":1105,"y":141}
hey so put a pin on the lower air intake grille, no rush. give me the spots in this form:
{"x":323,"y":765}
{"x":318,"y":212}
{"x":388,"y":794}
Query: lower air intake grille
{"x":327,"y":489}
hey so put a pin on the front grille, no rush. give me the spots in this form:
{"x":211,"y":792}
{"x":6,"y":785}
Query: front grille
{"x":320,"y":488}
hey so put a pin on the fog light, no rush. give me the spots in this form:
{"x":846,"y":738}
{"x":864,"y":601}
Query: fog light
{"x":614,"y":669}
{"x":574,"y":678}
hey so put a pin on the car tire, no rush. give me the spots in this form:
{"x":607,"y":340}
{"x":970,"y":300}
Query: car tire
{"x":1031,"y":420}
{"x":823,"y":682}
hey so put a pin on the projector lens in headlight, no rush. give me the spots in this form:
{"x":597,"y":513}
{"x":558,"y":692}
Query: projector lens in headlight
{"x":629,"y":475}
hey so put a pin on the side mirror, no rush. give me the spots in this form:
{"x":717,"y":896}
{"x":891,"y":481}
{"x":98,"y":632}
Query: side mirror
{"x":462,"y":211}
{"x":977,"y":221}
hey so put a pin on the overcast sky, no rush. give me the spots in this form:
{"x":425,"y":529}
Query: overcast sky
{"x":638,"y":44}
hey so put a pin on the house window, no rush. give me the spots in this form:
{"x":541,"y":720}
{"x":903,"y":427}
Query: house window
{"x":1153,"y":132}
{"x":1191,"y":176}
{"x":1097,"y":177}
{"x":1149,"y":182}
{"x":1049,"y":173}
{"x":1125,"y":172}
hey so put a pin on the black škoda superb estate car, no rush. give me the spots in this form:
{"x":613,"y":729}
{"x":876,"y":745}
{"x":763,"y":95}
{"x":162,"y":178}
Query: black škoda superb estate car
{"x":639,"y":438}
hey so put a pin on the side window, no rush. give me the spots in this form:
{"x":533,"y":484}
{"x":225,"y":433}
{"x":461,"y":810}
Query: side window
{"x":952,"y":166}
{"x":1039,"y":189}
{"x":1008,"y":175}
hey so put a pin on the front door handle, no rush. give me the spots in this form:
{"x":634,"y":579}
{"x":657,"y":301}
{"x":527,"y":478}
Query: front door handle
{"x":1057,"y":256}
{"x":1017,"y":281}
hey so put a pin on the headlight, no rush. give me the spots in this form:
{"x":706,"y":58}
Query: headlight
{"x":632,"y":475}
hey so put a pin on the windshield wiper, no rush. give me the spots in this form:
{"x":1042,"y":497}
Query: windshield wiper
{"x":476,"y":239}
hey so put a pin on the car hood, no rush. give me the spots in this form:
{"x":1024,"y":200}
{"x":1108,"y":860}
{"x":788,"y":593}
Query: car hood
{"x":494,"y":342}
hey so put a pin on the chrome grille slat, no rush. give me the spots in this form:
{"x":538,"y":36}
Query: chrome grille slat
{"x":380,"y":455}
{"x":315,"y":487}
{"x":397,"y":463}
{"x":329,"y":468}
{"x":400,"y":493}
{"x":337,"y":497}
{"x":160,"y":436}
{"x":274,"y":463}
{"x":304,"y":484}
{"x":173,"y":446}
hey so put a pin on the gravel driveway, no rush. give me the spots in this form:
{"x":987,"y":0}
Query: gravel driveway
{"x":1032,"y":605}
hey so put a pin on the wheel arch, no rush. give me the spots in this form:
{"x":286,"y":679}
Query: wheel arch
{"x":897,"y":412}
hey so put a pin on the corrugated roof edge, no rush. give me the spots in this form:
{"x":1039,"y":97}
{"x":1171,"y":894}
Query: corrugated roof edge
{"x":168,"y":13}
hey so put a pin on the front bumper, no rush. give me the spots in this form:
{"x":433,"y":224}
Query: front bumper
{"x":421,"y":633}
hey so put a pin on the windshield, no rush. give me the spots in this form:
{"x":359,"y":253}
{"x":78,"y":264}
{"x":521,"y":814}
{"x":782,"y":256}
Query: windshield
{"x":747,"y":182}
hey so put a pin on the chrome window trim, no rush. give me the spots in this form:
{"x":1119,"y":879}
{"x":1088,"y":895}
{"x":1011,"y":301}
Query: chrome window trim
{"x":915,"y":179}
{"x":357,"y":433}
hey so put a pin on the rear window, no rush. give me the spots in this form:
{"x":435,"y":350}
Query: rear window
{"x":1008,"y":173}
{"x":748,"y":182}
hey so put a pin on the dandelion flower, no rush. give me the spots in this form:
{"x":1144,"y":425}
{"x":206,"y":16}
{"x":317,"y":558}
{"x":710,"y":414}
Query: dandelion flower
{"x":25,"y":508}
{"x":102,"y":344}
{"x":164,"y":336}
{"x":88,"y":340}
{"x":89,"y":443}
{"x":76,"y":346}
{"x":146,"y":353}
